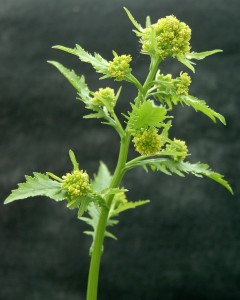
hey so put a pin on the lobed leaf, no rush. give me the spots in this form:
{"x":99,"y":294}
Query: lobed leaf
{"x":96,"y":60}
{"x":38,"y":185}
{"x":78,"y":82}
{"x":169,"y":167}
{"x":146,"y":115}
{"x":200,"y":105}
{"x":134,"y":22}
{"x":201,"y":55}
{"x":128,"y":205}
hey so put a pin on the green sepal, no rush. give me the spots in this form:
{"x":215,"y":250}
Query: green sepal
{"x":37,"y":185}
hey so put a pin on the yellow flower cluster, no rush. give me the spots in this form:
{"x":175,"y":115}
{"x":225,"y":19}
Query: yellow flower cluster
{"x":104,"y":97}
{"x":167,"y":37}
{"x":119,"y":67}
{"x":180,"y":147}
{"x":76,"y":184}
{"x":182,"y":83}
{"x":147,"y":142}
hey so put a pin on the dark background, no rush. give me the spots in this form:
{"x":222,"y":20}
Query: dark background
{"x":186,"y":243}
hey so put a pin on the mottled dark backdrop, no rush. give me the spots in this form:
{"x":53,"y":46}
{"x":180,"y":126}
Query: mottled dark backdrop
{"x":186,"y":243}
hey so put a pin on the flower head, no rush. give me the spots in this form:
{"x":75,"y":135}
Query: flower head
{"x":76,"y":184}
{"x":104,"y":97}
{"x":180,"y":147}
{"x":119,"y":67}
{"x":147,"y":142}
{"x":182,"y":83}
{"x":167,"y":37}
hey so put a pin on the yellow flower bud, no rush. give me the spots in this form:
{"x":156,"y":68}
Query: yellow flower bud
{"x":147,"y":142}
{"x":180,"y":147}
{"x":104,"y":97}
{"x":182,"y":83}
{"x":171,"y":38}
{"x":119,"y":67}
{"x":76,"y":184}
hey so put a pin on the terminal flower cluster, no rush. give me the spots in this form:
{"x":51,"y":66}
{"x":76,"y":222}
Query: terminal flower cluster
{"x":171,"y":38}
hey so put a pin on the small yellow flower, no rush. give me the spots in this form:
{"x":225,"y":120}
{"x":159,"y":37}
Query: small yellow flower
{"x":171,"y":38}
{"x":147,"y":142}
{"x":182,"y":83}
{"x":119,"y":67}
{"x":180,"y":147}
{"x":104,"y":97}
{"x":76,"y":184}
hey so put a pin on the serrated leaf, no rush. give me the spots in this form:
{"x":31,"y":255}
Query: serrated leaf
{"x":201,"y":55}
{"x":134,"y":22}
{"x":128,"y":205}
{"x":96,"y":60}
{"x":78,"y":82}
{"x":147,"y":114}
{"x":169,"y":167}
{"x":187,"y":62}
{"x":71,"y":76}
{"x":200,"y":105}
{"x":38,"y":185}
{"x":102,"y":179}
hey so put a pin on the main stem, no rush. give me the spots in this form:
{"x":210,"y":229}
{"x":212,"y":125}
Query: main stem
{"x":92,"y":288}
{"x":93,"y":275}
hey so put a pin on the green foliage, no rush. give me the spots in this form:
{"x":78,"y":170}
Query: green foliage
{"x":147,"y":124}
{"x":187,"y":59}
{"x":169,"y":166}
{"x":37,"y":185}
{"x":200,"y":105}
{"x":97,"y":61}
{"x":147,"y":114}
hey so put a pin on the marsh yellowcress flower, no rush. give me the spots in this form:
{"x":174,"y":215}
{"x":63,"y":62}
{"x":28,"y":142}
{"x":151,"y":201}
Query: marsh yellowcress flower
{"x":147,"y":142}
{"x":167,"y":37}
{"x":182,"y":83}
{"x":104,"y":97}
{"x":180,"y":147}
{"x":76,"y":184}
{"x":119,"y":67}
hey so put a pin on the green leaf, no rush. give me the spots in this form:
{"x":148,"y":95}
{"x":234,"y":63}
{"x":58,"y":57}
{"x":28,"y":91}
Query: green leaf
{"x":78,"y":82}
{"x":96,"y":60}
{"x":146,"y":115}
{"x":38,"y":185}
{"x":73,"y":160}
{"x":201,"y":55}
{"x":169,"y":167}
{"x":92,"y":220}
{"x":102,"y":179}
{"x":187,"y":62}
{"x":200,"y":105}
{"x":128,"y":205}
{"x":131,"y":18}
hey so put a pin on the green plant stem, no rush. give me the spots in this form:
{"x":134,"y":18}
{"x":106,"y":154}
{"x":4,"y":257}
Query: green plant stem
{"x":93,"y":275}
